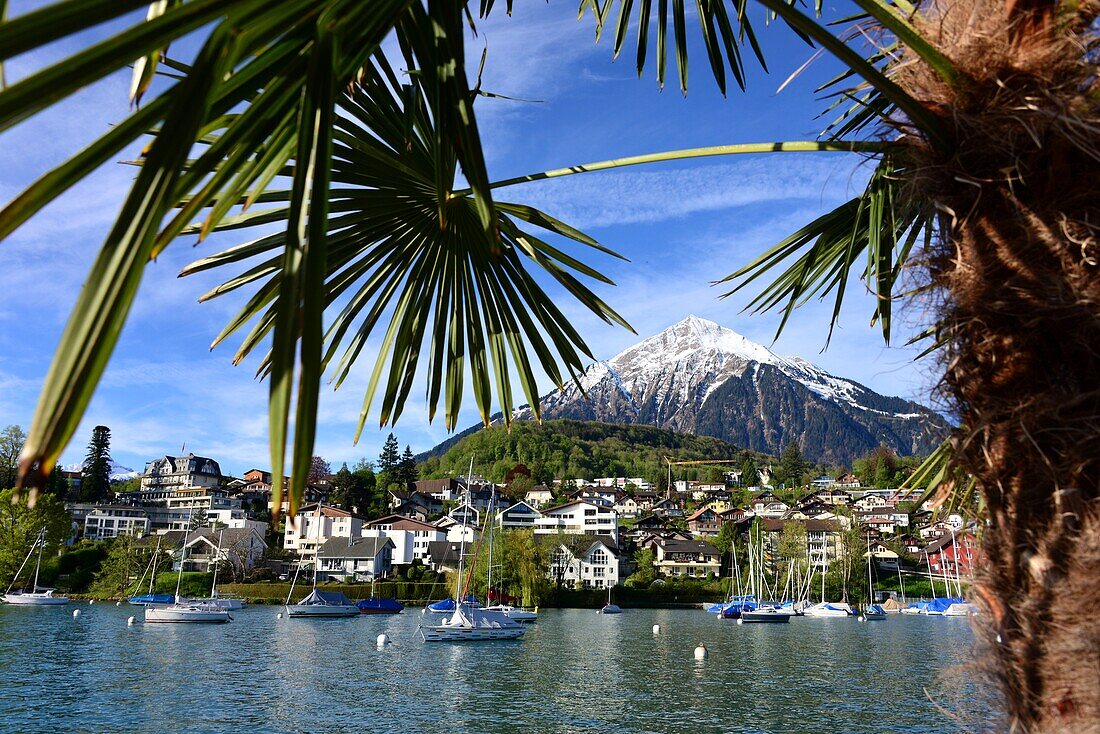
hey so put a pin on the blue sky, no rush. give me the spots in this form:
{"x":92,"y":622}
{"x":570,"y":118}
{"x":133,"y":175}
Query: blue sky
{"x":682,"y":225}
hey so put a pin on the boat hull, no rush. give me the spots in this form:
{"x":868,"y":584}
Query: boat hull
{"x":321,"y":611}
{"x":826,"y":610}
{"x":228,"y":604}
{"x":35,"y":600}
{"x":765,"y":616}
{"x":514,"y":613}
{"x":186,"y":615}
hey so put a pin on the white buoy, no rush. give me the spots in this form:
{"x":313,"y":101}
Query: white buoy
{"x":129,"y":621}
{"x":91,"y":601}
{"x":656,"y":629}
{"x":861,"y":618}
{"x":740,"y":621}
{"x":279,"y":615}
{"x":382,"y":640}
{"x":118,"y":604}
{"x":76,"y":613}
{"x":701,"y":652}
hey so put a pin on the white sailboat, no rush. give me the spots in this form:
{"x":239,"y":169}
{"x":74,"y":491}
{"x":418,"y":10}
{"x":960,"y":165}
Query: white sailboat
{"x":824,"y":608}
{"x":38,"y":595}
{"x":184,"y":611}
{"x":225,"y":602}
{"x":872,"y":612}
{"x":469,"y":623}
{"x":512,"y":612}
{"x":322,"y":604}
{"x":610,"y":608}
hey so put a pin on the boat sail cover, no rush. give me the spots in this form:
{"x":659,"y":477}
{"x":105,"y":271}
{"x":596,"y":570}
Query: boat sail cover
{"x":448,"y":604}
{"x":327,"y":598}
{"x":941,"y":605}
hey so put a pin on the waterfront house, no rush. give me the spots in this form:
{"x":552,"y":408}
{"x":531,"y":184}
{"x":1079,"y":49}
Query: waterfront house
{"x":443,"y":555}
{"x":355,"y":559}
{"x":953,"y":554}
{"x":685,"y":558}
{"x":579,"y":517}
{"x":591,"y":565}
{"x":240,"y":548}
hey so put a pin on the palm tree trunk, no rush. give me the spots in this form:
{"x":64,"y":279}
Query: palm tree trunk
{"x":1020,"y":279}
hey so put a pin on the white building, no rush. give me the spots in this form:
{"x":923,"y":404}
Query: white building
{"x":170,"y":473}
{"x":410,"y":537}
{"x":538,"y":497}
{"x":519,"y":515}
{"x":111,"y":521}
{"x":311,"y":528}
{"x":628,"y":507}
{"x":594,"y":567}
{"x":240,"y":548}
{"x":579,"y":518}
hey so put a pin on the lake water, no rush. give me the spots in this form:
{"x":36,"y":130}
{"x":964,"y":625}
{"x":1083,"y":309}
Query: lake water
{"x":575,"y":671}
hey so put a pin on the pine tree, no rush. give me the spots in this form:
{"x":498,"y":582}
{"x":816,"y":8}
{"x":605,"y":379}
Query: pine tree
{"x":95,"y":477}
{"x":389,"y":458}
{"x":406,"y":469}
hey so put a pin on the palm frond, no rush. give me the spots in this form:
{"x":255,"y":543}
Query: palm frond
{"x":409,"y":258}
{"x":944,"y":485}
{"x":870,"y":228}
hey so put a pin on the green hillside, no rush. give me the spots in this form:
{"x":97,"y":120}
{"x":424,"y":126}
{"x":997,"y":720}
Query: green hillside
{"x":572,"y":449}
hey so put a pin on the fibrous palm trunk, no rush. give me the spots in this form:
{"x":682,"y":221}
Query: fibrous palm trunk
{"x":1019,"y":274}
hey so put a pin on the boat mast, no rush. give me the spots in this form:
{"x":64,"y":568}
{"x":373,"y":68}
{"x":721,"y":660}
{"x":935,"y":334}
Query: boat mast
{"x":901,"y":582}
{"x":492,"y":502}
{"x":38,"y":565}
{"x":183,"y":552}
{"x":870,"y":582}
{"x":931,"y":578}
{"x":462,"y":539}
{"x":153,"y":573}
{"x":24,"y":563}
{"x":217,"y":562}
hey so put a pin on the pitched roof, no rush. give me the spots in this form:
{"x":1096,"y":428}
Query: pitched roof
{"x":443,"y":551}
{"x":676,"y":545}
{"x":402,"y":522}
{"x":695,"y":515}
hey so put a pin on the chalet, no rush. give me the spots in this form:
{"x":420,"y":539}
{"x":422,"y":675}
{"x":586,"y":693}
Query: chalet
{"x":444,"y":490}
{"x":539,"y":496}
{"x":886,"y":526}
{"x":822,"y":538}
{"x":768,"y":505}
{"x":402,"y":502}
{"x":847,"y":481}
{"x":646,"y":525}
{"x":443,"y":555}
{"x":607,"y":496}
{"x":238,"y":548}
{"x":647,"y":498}
{"x":685,"y":558}
{"x":885,"y":559}
{"x":937,"y":529}
{"x":628,"y":507}
{"x":579,"y":518}
{"x":871,"y":502}
{"x":953,"y":554}
{"x":595,"y":565}
{"x":355,"y":559}
{"x":667,"y":508}
{"x":519,"y":515}
{"x":705,"y":522}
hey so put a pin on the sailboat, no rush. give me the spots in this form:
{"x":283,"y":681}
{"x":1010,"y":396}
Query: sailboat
{"x":148,"y":598}
{"x":328,"y":604}
{"x":374,"y":605}
{"x":38,"y":595}
{"x":824,"y":608}
{"x":610,"y":608}
{"x":517,"y":613}
{"x":225,"y":602}
{"x":872,"y":612}
{"x":469,"y":623}
{"x":764,"y":613}
{"x":184,"y":611}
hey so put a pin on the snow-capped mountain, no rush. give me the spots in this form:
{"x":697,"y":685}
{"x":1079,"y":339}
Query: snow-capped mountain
{"x":119,"y":473}
{"x":701,"y":378}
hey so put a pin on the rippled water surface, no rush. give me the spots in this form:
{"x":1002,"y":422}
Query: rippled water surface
{"x":576,"y":671}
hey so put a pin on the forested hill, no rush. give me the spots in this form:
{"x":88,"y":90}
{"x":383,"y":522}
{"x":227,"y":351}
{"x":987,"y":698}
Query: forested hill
{"x":573,"y":449}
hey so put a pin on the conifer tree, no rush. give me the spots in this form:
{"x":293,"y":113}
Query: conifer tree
{"x":389,"y":458}
{"x":406,"y":469}
{"x":95,"y":476}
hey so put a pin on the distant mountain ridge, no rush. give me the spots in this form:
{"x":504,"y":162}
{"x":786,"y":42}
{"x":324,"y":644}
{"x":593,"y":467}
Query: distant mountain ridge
{"x":119,"y":473}
{"x":700,"y":378}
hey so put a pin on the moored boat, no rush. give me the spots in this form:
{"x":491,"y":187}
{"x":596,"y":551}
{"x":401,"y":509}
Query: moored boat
{"x":517,"y":613}
{"x":468,"y":624}
{"x":38,"y":596}
{"x":147,"y":600}
{"x":323,"y":604}
{"x":828,"y":609}
{"x":185,"y":612}
{"x":374,"y":605}
{"x":873,"y":613}
{"x":765,"y":614}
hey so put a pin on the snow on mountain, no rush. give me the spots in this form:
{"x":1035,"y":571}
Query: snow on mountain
{"x":119,"y":473}
{"x":699,"y":377}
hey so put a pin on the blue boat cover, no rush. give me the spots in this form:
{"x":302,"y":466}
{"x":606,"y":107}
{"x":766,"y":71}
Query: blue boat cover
{"x":152,"y":599}
{"x":375,"y":604}
{"x":941,"y":605}
{"x":448,"y":605}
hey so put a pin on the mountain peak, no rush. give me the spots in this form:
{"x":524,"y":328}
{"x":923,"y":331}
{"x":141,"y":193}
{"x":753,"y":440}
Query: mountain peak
{"x":694,"y":334}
